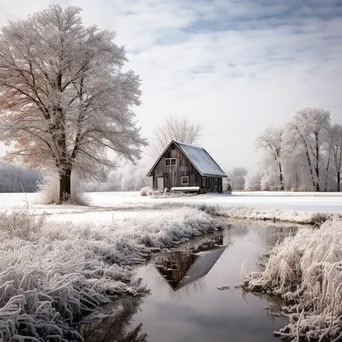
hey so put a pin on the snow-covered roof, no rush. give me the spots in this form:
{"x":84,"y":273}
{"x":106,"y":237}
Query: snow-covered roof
{"x":201,"y":160}
{"x":198,"y":157}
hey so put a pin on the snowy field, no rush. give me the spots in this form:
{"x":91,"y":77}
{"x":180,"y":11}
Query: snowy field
{"x":111,"y":206}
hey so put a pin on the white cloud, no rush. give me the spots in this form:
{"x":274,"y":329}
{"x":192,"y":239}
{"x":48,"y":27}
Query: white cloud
{"x":236,"y":67}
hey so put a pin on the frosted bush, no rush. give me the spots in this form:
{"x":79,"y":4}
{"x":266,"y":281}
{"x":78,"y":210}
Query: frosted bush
{"x":63,"y":274}
{"x":146,"y":191}
{"x":48,"y":188}
{"x":306,"y":271}
{"x":20,"y":225}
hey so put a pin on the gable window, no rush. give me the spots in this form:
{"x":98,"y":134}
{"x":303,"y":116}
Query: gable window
{"x":170,"y":161}
{"x":185,"y":180}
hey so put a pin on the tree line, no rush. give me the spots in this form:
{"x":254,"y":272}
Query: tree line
{"x":303,"y":155}
{"x":14,"y":178}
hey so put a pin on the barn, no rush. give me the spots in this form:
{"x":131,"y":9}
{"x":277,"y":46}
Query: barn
{"x":186,"y":167}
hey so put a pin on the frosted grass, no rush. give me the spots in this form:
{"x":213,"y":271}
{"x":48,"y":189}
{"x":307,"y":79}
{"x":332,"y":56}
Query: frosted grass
{"x":306,"y":271}
{"x":54,"y":276}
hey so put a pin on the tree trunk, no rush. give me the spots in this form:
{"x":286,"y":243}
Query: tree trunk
{"x":281,"y":177}
{"x":338,"y":181}
{"x":309,"y":163}
{"x":317,"y":163}
{"x":327,"y":174}
{"x":65,"y":186}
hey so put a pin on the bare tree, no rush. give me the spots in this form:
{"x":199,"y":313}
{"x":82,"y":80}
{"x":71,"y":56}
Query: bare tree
{"x":336,"y":138}
{"x":175,"y":128}
{"x":65,"y":100}
{"x":308,"y":131}
{"x":271,"y":140}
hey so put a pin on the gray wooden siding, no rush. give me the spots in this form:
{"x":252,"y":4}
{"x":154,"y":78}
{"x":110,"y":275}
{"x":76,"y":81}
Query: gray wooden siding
{"x":172,"y":174}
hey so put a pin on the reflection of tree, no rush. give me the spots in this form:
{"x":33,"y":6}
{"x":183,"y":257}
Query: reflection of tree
{"x":275,"y":234}
{"x":115,"y":324}
{"x":271,"y":236}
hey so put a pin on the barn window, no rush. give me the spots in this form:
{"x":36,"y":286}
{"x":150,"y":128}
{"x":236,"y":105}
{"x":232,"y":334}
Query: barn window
{"x":185,"y":180}
{"x":170,"y":161}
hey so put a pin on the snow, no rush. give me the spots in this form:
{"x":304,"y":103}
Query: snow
{"x":295,"y":207}
{"x":185,"y":188}
{"x":306,"y":271}
{"x":201,"y":159}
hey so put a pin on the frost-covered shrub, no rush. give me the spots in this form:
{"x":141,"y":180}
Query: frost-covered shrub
{"x":306,"y":271}
{"x":146,"y":191}
{"x":210,"y":209}
{"x":48,"y":188}
{"x":20,"y":225}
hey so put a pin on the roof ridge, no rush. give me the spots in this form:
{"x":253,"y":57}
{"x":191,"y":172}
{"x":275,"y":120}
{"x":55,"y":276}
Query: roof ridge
{"x":195,"y":146}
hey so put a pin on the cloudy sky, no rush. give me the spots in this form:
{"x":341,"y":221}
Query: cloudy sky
{"x":237,"y":67}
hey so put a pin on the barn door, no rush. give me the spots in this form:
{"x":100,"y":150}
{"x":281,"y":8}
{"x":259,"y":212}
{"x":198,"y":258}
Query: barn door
{"x":160,"y":183}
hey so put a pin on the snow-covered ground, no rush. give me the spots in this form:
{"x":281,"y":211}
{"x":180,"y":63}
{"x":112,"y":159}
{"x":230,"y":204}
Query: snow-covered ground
{"x":110,"y":206}
{"x":331,"y":202}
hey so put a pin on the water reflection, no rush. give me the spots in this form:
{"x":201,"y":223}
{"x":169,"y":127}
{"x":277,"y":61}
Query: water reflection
{"x":115,"y":326}
{"x":177,"y":312}
{"x":181,"y":268}
{"x":275,"y":234}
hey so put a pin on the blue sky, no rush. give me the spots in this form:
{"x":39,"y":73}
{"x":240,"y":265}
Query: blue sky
{"x":238,"y":67}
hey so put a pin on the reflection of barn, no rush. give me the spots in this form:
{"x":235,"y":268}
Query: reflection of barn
{"x":186,"y":166}
{"x":180,"y":268}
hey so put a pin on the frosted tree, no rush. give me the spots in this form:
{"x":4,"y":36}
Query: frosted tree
{"x":65,"y":99}
{"x":271,"y":141}
{"x":336,"y":158}
{"x":174,"y":128}
{"x":253,"y":181}
{"x":236,"y":178}
{"x":308,"y":132}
